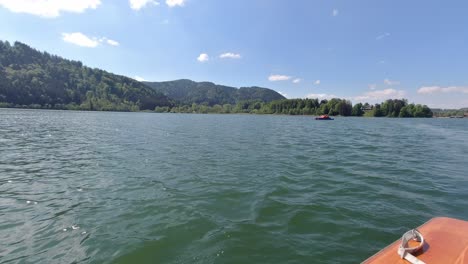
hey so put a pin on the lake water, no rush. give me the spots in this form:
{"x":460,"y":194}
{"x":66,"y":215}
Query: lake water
{"x":95,"y":187}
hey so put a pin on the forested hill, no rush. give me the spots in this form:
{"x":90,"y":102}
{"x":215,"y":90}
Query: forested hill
{"x":29,"y":78}
{"x":187,"y":92}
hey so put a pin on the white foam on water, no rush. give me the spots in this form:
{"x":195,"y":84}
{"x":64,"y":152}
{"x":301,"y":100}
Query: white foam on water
{"x":75,"y":227}
{"x":28,"y":202}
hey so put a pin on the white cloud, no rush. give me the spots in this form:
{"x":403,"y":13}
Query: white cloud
{"x":321,"y":96}
{"x":429,"y":90}
{"x":173,"y":3}
{"x":112,"y":42}
{"x":49,"y":8}
{"x":275,"y":78}
{"x":317,"y":82}
{"x":140,"y":79}
{"x":203,"y":57}
{"x":390,"y":82}
{"x":372,"y":86}
{"x":382,"y":36}
{"x":80,"y":39}
{"x":380,"y":95}
{"x":438,"y":89}
{"x":283,"y":94}
{"x":297,"y":80}
{"x":335,"y":12}
{"x":230,"y":55}
{"x":139,"y":4}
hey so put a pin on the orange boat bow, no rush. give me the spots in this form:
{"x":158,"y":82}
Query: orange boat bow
{"x":446,"y":241}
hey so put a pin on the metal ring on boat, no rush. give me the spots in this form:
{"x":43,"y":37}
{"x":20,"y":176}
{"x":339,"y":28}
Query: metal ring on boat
{"x":405,"y":250}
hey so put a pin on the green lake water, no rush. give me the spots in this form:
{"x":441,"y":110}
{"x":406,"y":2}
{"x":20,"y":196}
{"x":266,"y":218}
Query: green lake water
{"x":175,"y":188}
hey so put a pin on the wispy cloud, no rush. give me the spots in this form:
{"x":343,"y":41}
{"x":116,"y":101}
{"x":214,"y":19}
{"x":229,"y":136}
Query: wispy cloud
{"x":276,"y":77}
{"x":112,"y":42}
{"x":438,"y":89}
{"x":140,"y":79}
{"x":390,"y":82}
{"x":139,"y":4}
{"x":230,"y":55}
{"x":203,"y":57}
{"x":174,"y":3}
{"x":321,"y":96}
{"x":283,"y":94}
{"x":80,"y":39}
{"x":382,"y":36}
{"x":48,"y":8}
{"x":372,"y":86}
{"x":335,"y":12}
{"x":317,"y":82}
{"x":297,"y":80}
{"x":377,"y":95}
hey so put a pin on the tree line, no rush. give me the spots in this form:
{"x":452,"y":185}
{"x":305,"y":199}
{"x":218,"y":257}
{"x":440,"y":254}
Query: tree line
{"x":333,"y":107}
{"x":463,"y":112}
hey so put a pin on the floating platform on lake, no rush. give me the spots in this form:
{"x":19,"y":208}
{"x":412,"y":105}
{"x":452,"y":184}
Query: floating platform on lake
{"x":323,"y":117}
{"x":445,"y":241}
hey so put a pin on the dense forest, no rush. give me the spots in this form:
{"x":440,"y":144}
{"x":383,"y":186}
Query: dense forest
{"x":36,"y":79}
{"x":33,"y":79}
{"x":187,"y":92}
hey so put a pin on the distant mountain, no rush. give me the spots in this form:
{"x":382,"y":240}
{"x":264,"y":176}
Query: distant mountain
{"x":34,"y":79}
{"x":29,"y":78}
{"x":187,"y":92}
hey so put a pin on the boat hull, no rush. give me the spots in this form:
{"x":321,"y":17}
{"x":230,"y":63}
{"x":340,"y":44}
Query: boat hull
{"x":446,"y":241}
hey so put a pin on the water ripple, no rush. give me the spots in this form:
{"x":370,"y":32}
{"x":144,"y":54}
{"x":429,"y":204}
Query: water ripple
{"x":153,"y":188}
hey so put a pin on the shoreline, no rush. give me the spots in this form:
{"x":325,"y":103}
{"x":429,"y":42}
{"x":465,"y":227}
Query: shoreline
{"x":198,"y":113}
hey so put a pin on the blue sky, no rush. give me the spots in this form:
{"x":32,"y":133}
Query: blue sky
{"x":366,"y":51}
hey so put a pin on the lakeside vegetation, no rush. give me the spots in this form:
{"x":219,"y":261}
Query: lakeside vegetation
{"x":463,"y":112}
{"x":333,"y":107}
{"x":38,"y":80}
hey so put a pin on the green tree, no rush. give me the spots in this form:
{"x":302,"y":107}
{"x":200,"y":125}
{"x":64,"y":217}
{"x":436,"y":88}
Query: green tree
{"x":357,"y":110}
